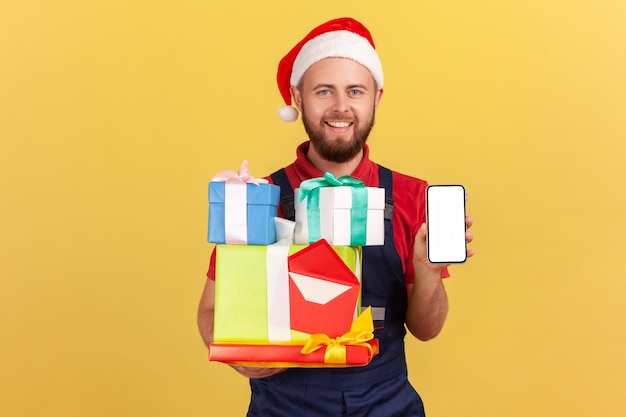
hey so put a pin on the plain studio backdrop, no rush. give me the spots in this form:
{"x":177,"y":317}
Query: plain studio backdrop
{"x":114,"y":115}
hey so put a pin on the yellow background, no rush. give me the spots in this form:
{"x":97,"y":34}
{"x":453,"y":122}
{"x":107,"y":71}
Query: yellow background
{"x":115,"y":114}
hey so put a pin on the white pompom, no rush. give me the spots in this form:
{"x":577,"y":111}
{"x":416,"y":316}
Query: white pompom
{"x":288,"y":113}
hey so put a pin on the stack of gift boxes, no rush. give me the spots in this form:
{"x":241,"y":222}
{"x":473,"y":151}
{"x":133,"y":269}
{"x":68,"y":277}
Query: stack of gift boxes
{"x":288,"y":294}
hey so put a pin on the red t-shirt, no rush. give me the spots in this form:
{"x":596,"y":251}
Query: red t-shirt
{"x":409,"y":197}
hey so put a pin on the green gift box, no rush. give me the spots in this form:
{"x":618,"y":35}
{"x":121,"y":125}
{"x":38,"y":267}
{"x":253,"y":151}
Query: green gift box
{"x":255,"y":291}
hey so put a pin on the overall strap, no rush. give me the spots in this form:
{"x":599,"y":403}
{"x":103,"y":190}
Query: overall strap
{"x":286,"y":193}
{"x":386,"y":181}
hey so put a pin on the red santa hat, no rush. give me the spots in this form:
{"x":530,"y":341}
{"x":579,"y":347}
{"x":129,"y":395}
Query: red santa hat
{"x":338,"y":38}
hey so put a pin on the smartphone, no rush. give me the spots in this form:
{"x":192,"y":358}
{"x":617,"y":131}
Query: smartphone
{"x":445,"y":219}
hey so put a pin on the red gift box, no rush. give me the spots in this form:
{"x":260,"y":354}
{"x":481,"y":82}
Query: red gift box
{"x":288,"y":356}
{"x":354,"y":348}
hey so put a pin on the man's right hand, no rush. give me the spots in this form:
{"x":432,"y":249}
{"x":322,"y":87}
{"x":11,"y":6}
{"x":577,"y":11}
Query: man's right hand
{"x":254,"y":372}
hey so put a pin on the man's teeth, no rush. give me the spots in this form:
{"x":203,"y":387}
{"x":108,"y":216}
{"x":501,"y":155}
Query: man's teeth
{"x":339,"y":124}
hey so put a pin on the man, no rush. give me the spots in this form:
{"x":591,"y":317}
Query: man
{"x":335,"y":78}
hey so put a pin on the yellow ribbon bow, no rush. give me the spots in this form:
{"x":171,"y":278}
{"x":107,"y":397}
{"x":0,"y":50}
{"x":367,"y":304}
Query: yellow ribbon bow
{"x":360,"y":333}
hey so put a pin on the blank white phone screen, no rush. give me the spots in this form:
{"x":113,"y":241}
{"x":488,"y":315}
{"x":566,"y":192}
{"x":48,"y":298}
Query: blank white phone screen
{"x":445,"y":217}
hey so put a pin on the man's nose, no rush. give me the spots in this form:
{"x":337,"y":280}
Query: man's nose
{"x":341,"y":103}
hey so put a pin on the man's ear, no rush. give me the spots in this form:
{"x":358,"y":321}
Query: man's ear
{"x":379,"y":95}
{"x":297,"y":97}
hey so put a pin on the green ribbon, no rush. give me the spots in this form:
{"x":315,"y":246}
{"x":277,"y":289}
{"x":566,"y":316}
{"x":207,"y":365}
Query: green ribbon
{"x":358,"y":218}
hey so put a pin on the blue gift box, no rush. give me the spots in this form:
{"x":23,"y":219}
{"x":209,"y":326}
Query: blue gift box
{"x":261,"y":206}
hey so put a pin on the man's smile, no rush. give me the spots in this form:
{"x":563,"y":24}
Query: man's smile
{"x":339,"y":124}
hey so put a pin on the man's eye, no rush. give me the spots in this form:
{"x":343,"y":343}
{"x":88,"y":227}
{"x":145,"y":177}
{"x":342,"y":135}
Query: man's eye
{"x":323,"y":92}
{"x":355,"y":92}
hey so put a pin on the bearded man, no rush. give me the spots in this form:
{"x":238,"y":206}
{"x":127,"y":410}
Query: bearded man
{"x":335,"y":79}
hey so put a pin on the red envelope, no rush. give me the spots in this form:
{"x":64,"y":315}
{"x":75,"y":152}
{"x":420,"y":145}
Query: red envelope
{"x":323,"y":291}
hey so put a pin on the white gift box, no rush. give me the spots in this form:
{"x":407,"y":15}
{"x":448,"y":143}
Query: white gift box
{"x":335,"y":217}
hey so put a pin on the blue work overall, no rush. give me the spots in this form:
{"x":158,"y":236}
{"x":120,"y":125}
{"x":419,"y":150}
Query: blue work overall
{"x":376,"y":390}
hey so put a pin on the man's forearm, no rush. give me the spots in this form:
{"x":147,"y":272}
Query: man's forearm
{"x":205,"y":325}
{"x":206,"y":311}
{"x":428,"y":306}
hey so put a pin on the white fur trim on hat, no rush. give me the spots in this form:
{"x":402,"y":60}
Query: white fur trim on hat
{"x":337,"y":44}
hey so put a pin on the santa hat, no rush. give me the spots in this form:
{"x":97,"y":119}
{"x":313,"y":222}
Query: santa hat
{"x":338,"y":38}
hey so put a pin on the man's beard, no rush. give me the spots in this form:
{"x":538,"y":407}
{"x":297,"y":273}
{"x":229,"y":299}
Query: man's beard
{"x":338,"y":150}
